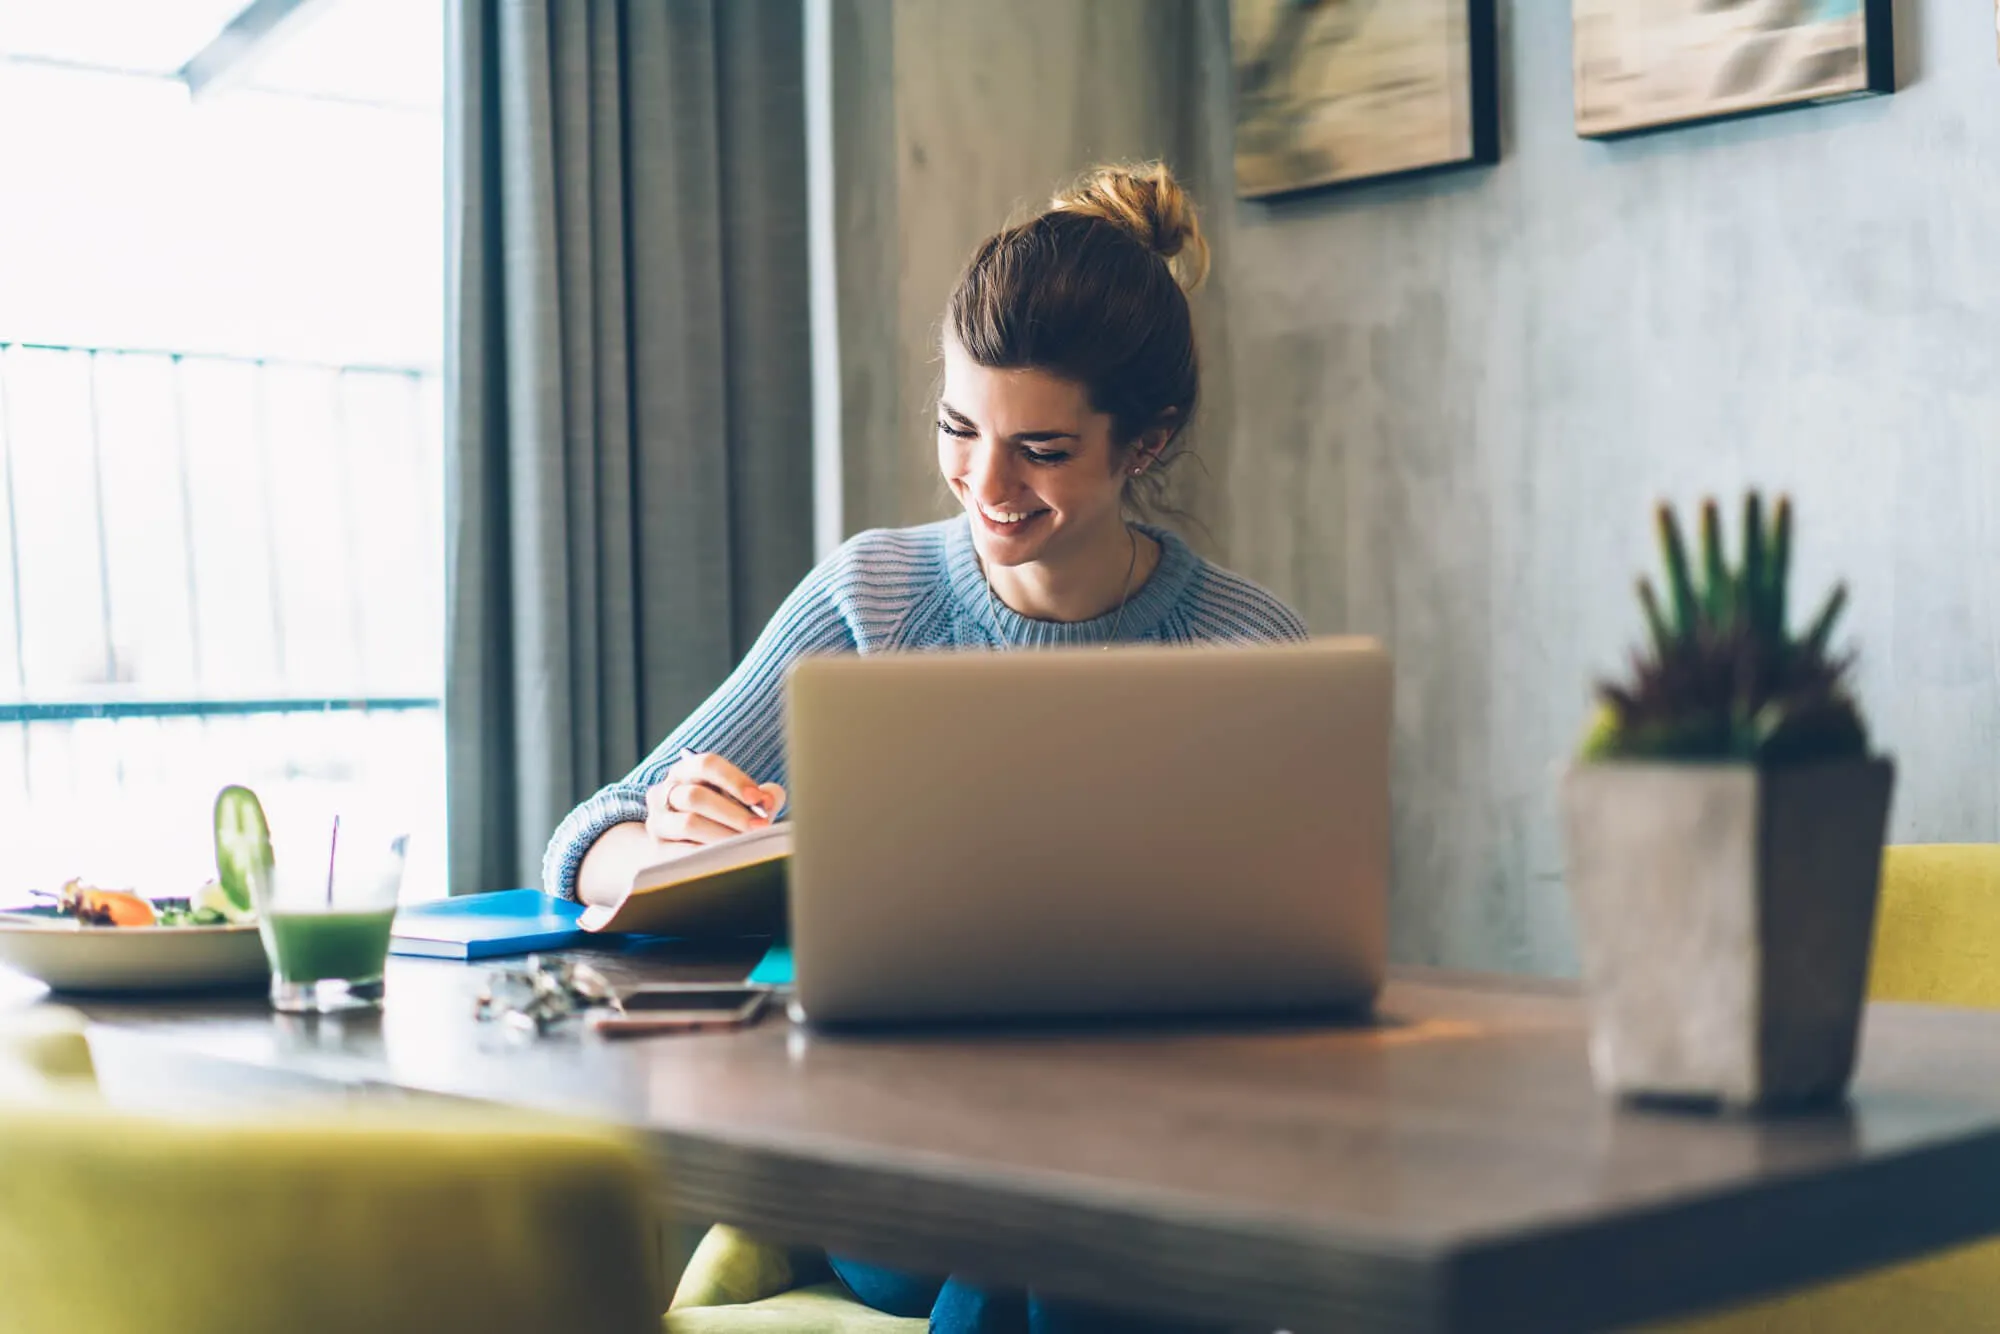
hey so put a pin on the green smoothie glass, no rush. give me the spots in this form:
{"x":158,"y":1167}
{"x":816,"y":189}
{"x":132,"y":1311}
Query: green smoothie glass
{"x":325,"y":920}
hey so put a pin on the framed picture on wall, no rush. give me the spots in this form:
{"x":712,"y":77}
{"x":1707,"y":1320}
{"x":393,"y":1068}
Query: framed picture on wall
{"x":1647,"y":64}
{"x":1330,"y":92}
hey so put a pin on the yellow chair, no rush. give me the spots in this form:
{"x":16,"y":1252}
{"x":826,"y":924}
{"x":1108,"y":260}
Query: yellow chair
{"x":112,"y":1223}
{"x":822,"y":1308}
{"x":736,"y":1284}
{"x":395,"y":1224}
{"x":1937,"y":942}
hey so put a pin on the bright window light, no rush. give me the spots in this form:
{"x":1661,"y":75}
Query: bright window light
{"x":221,"y":325}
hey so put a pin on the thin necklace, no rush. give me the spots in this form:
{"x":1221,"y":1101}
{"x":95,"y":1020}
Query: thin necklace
{"x":1117,"y":622}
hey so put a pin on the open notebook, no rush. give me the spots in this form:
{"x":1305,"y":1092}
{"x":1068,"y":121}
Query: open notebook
{"x":735,"y":887}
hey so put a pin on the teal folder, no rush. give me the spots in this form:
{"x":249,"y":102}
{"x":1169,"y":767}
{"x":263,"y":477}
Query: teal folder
{"x":774,"y":969}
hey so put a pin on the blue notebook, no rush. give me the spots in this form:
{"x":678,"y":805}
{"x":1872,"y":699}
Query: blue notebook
{"x":486,"y":926}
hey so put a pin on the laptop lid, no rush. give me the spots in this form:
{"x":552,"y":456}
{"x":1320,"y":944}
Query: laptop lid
{"x":1143,"y":829}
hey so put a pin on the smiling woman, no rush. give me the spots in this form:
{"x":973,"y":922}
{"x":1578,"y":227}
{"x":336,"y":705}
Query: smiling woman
{"x":1074,"y":347}
{"x":1070,"y":372}
{"x":1045,"y":501}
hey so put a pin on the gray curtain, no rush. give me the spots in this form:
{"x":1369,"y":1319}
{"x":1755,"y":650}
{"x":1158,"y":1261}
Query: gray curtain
{"x":628,"y":463}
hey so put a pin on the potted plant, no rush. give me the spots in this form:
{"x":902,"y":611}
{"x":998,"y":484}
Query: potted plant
{"x":1724,"y":828}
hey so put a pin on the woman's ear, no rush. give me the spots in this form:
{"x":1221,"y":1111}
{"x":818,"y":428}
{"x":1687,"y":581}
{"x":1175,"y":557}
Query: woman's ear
{"x":1153,"y":442}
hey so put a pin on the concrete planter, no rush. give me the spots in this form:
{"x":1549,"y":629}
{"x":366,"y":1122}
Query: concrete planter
{"x":1725,"y":914}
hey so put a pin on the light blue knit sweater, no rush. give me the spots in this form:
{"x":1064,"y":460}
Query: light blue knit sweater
{"x":910,"y":588}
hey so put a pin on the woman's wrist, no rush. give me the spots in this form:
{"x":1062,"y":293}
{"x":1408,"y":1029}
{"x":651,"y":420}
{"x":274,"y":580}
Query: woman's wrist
{"x":605,"y":874}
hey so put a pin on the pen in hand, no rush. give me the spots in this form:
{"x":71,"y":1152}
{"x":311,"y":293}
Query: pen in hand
{"x":756,"y":808}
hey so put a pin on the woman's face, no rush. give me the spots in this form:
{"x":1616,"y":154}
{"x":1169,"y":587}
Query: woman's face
{"x":1029,"y":459}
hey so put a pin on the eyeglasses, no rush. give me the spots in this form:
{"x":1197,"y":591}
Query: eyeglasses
{"x":537,"y":996}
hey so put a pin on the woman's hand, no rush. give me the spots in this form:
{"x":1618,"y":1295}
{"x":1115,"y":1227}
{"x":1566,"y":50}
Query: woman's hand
{"x":705,"y":799}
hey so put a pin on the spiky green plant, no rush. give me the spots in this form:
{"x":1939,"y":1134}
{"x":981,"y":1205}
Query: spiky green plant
{"x":1721,"y":677}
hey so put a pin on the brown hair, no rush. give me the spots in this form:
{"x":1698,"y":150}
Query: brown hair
{"x":1094,"y":289}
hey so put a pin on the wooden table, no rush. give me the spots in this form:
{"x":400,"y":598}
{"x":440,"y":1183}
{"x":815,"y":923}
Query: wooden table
{"x":1446,"y":1168}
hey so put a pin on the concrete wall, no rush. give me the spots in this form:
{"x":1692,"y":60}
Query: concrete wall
{"x":950,"y":119}
{"x":1456,"y":400}
{"x":1440,"y":411}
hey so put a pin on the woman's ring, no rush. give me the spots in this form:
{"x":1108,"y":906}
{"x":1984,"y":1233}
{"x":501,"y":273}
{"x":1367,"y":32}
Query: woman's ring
{"x":667,"y":797}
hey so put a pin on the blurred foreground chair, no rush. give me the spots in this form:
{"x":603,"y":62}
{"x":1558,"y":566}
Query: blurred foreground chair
{"x":735,"y":1284}
{"x":410,"y":1223}
{"x":389,"y":1221}
{"x":1937,"y":942}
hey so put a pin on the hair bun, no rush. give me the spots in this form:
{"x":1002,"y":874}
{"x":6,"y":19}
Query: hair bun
{"x":1146,"y":201}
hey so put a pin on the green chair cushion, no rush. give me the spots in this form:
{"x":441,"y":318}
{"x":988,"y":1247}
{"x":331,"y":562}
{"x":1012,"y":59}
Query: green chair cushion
{"x":407,"y":1224}
{"x":731,"y":1267}
{"x":43,"y":1051}
{"x":824,"y":1308}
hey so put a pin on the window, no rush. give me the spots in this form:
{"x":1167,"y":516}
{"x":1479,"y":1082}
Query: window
{"x":221,"y":328}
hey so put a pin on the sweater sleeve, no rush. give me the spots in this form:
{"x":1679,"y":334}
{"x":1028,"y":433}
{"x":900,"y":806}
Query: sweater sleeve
{"x":1229,"y":609}
{"x":743,"y":721}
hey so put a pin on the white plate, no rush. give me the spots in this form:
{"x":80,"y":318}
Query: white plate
{"x":71,"y":957}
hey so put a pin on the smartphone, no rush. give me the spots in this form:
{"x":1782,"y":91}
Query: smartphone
{"x":673,"y":1007}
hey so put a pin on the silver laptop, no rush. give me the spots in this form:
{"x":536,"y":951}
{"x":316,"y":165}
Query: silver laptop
{"x":1089,"y":832}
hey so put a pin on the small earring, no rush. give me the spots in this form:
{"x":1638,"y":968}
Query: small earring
{"x":1137,"y":471}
